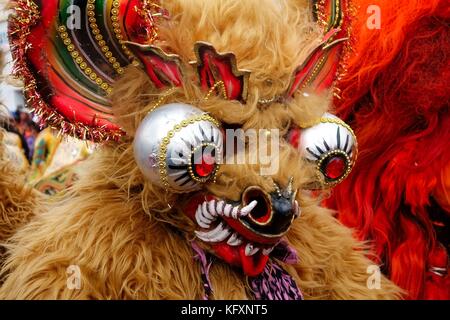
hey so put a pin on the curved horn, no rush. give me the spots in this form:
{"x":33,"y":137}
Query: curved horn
{"x":163,"y":69}
{"x":213,"y":67}
{"x":320,"y":69}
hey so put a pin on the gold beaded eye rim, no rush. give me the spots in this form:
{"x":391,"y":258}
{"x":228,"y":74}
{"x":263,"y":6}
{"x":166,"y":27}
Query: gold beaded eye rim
{"x":328,"y":120}
{"x":338,"y":122}
{"x":346,"y":126}
{"x":341,"y":123}
{"x":90,"y":9}
{"x":213,"y":174}
{"x":323,"y":161}
{"x":79,"y":60}
{"x":166,"y":141}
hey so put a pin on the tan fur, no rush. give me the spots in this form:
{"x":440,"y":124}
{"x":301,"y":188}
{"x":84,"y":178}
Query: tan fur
{"x":332,"y":265}
{"x":129,"y":238}
{"x":125,"y":254}
{"x":17,"y":200}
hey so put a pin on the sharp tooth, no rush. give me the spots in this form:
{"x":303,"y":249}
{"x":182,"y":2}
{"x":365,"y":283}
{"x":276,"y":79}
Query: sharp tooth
{"x":223,"y":235}
{"x":206,"y":221}
{"x":208,"y":216}
{"x":268,"y":251}
{"x":205,"y":206}
{"x":200,"y":220}
{"x":212,"y":207}
{"x":227,"y":210}
{"x":235,"y":212}
{"x":250,"y":250}
{"x":298,"y":211}
{"x":220,"y":233}
{"x":255,"y":250}
{"x":234,"y":240}
{"x":211,"y":233}
{"x":220,"y":206}
{"x":247,"y":209}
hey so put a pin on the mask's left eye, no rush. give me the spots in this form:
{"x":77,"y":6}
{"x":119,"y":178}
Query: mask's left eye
{"x":179,"y":147}
{"x":331,"y":145}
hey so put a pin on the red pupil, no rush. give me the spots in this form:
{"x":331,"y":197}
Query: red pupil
{"x":335,"y":168}
{"x":206,"y":167}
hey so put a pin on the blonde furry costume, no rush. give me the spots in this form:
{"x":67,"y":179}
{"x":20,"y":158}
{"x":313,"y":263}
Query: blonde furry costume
{"x":17,"y":200}
{"x":129,"y":236}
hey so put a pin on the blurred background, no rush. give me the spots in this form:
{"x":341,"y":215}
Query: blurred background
{"x":11,"y":91}
{"x":20,"y":121}
{"x":47,"y":160}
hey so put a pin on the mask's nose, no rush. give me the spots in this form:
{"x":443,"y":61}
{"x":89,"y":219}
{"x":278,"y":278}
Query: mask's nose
{"x":262,"y":213}
{"x":282,"y":206}
{"x":274,"y":213}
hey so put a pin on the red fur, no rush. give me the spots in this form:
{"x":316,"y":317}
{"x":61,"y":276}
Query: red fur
{"x":396,"y":96}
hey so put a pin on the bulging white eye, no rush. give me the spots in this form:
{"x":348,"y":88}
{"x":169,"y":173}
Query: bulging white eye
{"x":179,"y":147}
{"x":332,"y":145}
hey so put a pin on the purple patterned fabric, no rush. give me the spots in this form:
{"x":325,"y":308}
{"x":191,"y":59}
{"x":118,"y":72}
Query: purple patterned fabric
{"x":274,"y":283}
{"x":285,"y":253}
{"x":205,"y":266}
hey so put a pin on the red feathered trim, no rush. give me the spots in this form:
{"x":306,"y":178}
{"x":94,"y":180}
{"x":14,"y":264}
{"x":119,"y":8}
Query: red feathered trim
{"x":396,"y":96}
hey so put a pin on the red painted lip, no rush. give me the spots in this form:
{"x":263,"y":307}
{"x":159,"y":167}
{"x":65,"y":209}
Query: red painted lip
{"x":251,"y":265}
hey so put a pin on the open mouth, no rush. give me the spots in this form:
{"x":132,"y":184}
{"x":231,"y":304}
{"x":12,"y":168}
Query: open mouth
{"x":231,"y":245}
{"x":243,"y":234}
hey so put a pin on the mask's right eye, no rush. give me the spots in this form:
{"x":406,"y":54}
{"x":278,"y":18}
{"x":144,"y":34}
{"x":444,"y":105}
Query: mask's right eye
{"x":179,"y":147}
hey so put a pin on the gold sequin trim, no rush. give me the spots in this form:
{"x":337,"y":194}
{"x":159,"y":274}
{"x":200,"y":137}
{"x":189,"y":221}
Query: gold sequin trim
{"x":313,"y":74}
{"x":76,"y":56}
{"x":221,"y":86}
{"x":117,"y":30}
{"x":99,"y":37}
{"x":162,"y":99}
{"x":324,"y":20}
